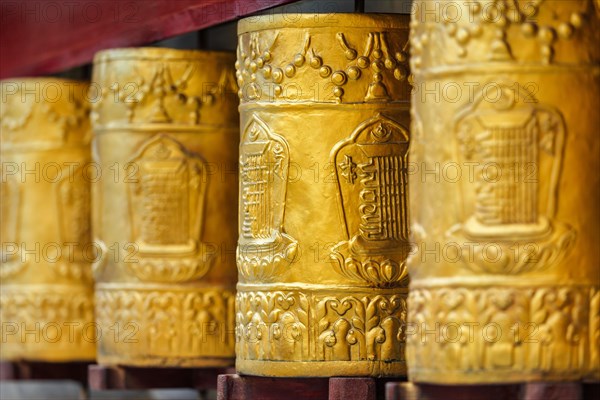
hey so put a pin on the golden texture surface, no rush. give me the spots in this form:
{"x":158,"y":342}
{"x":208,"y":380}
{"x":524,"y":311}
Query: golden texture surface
{"x":504,"y":199}
{"x":322,"y":216}
{"x":46,"y":291}
{"x":166,"y":137}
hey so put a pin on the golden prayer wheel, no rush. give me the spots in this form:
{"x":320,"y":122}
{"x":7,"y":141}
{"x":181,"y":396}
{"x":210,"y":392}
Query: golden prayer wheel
{"x":504,"y":191}
{"x":46,"y":291}
{"x":165,"y":203}
{"x":323,"y":227}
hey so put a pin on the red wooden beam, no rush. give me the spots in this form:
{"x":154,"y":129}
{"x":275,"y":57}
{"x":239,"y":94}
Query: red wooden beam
{"x":44,"y":36}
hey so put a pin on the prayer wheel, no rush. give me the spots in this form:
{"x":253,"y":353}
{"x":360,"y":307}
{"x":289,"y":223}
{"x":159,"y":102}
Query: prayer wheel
{"x":323,"y":226}
{"x":165,"y":206}
{"x":504,"y":192}
{"x":46,"y":290}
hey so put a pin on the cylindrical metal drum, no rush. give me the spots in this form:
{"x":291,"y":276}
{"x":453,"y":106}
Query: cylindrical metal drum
{"x":165,"y":204}
{"x":46,"y":291}
{"x":504,"y":199}
{"x":323,"y":228}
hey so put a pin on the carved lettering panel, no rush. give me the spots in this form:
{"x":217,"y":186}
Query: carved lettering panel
{"x":371,"y":167}
{"x":516,"y":146}
{"x":512,"y":135}
{"x":264,"y":250}
{"x":10,"y":208}
{"x":74,"y":213}
{"x":166,"y":202}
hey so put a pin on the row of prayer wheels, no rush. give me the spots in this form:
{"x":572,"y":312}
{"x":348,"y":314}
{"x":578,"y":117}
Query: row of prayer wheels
{"x":471,"y":257}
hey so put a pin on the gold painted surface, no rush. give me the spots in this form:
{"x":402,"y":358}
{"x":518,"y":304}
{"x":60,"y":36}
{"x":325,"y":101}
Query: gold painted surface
{"x":166,"y":137}
{"x":46,"y":289}
{"x":505,"y":192}
{"x":323,"y":227}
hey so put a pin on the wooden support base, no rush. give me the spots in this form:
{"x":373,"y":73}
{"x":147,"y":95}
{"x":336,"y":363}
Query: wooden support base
{"x":243,"y":387}
{"x":101,"y":377}
{"x":526,"y":391}
{"x":35,"y":370}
